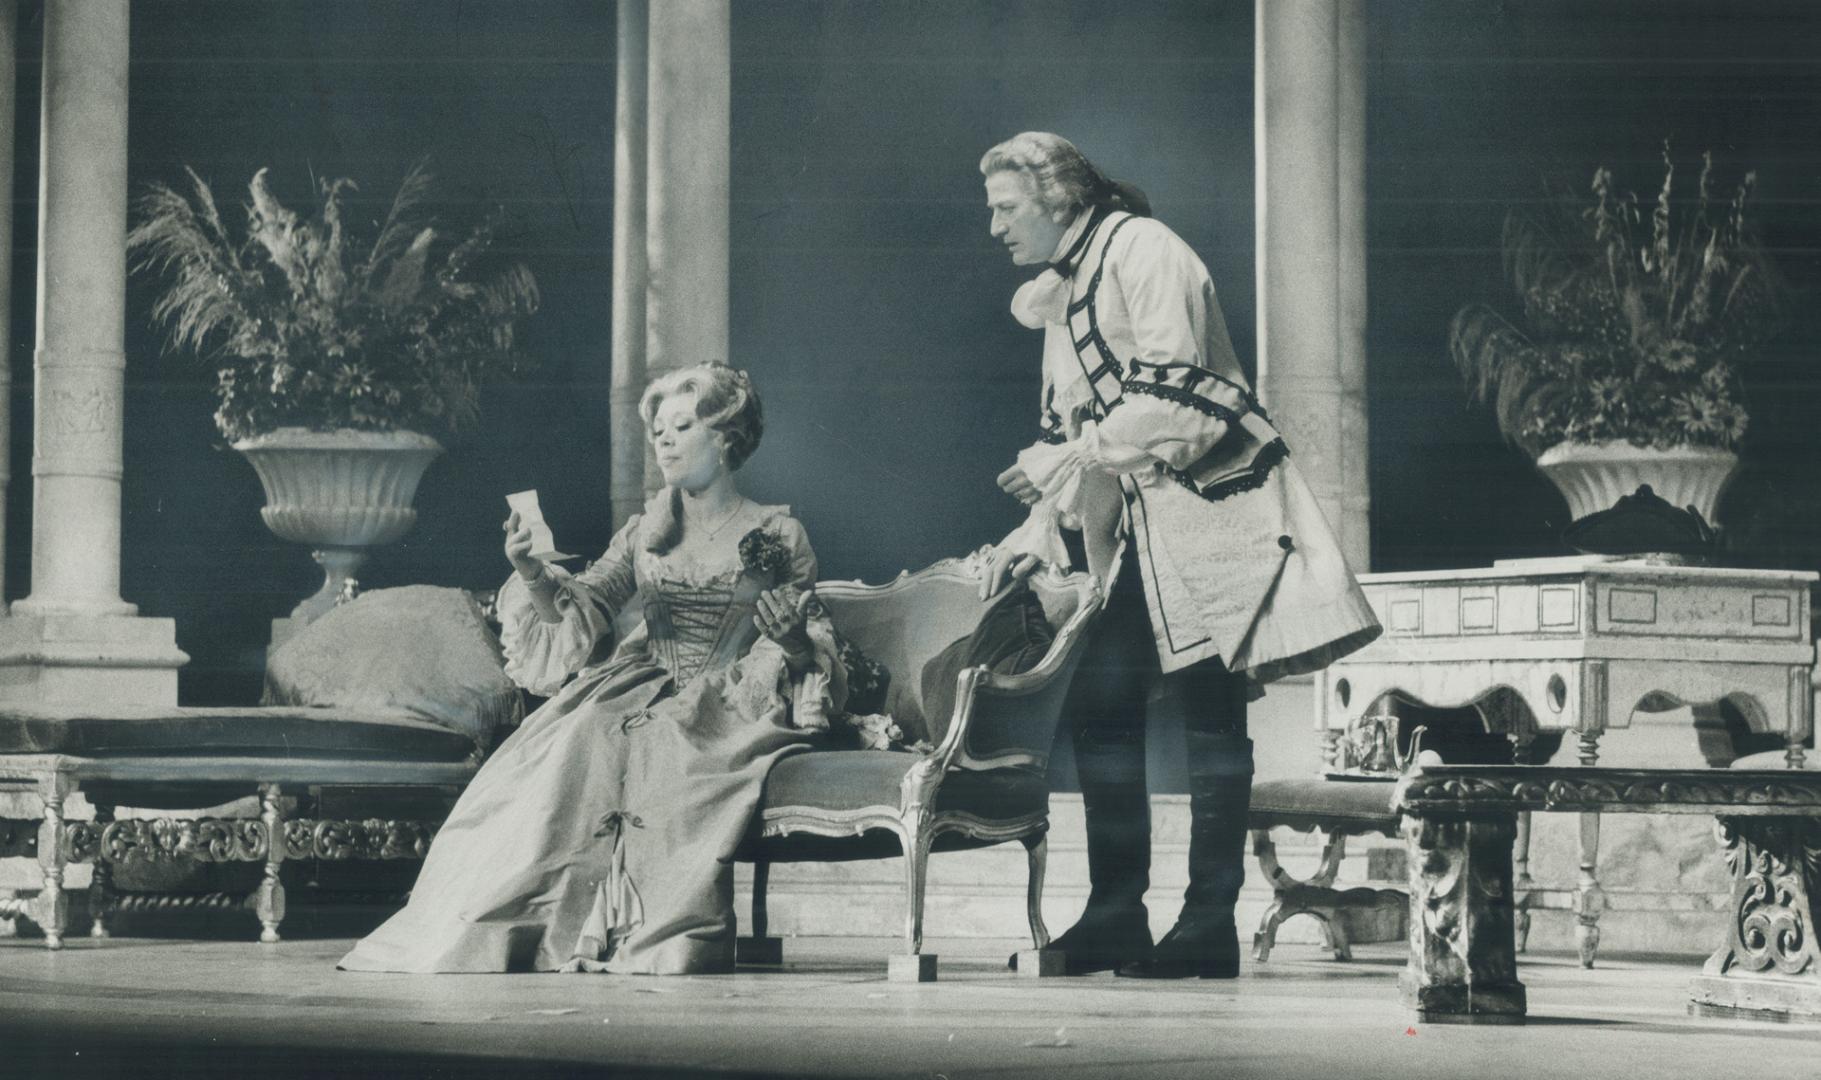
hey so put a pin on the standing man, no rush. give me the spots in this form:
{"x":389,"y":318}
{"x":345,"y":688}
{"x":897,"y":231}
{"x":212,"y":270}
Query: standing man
{"x":1157,"y":470}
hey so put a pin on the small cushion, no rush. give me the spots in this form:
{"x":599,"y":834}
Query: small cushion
{"x":422,"y":649}
{"x":1350,"y":806}
{"x":282,"y":732}
{"x":840,"y":780}
{"x":1012,"y":637}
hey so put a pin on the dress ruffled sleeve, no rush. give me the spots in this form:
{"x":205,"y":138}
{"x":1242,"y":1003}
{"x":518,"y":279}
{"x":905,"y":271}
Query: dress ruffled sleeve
{"x":541,"y":656}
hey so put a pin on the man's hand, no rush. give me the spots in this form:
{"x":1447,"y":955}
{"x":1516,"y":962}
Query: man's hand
{"x":1015,"y":483}
{"x":1004,"y":569}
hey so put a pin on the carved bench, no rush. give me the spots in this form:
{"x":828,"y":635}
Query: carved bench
{"x":1458,"y":823}
{"x":190,"y":759}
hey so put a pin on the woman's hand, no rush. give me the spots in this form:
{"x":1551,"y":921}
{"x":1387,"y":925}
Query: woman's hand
{"x":782,"y":617}
{"x":1017,"y":484}
{"x":518,"y":549}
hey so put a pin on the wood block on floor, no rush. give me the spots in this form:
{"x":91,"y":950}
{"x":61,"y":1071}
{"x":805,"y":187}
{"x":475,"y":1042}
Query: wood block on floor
{"x":919,"y":968}
{"x":758,"y":951}
{"x":1042,"y":963}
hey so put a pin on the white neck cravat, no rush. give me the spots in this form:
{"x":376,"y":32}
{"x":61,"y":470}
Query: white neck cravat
{"x":1045,"y":298}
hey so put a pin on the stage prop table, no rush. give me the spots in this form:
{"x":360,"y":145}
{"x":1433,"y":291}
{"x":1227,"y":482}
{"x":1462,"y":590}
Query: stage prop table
{"x":1458,"y":823}
{"x":1583,"y":643}
{"x":188,"y":759}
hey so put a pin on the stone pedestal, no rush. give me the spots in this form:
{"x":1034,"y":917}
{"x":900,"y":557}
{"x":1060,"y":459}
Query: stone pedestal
{"x":88,"y":660}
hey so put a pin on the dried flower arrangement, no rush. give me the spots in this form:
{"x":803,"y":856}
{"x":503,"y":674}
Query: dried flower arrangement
{"x":311,"y":326}
{"x":1628,"y":331}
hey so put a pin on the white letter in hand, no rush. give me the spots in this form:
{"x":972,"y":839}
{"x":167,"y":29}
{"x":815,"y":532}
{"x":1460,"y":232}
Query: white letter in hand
{"x":530,"y":514}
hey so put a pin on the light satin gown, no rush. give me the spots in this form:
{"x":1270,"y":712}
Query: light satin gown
{"x":605,"y":826}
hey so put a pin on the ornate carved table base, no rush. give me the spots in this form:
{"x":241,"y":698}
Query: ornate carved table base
{"x":1459,"y":822}
{"x":1463,"y":945}
{"x":1770,"y":964}
{"x":1580,"y":645}
{"x":271,"y":839}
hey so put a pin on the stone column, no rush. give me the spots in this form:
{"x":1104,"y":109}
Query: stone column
{"x":628,"y":467}
{"x":1310,"y":131}
{"x":687,"y":184}
{"x":74,"y":639}
{"x":9,"y":51}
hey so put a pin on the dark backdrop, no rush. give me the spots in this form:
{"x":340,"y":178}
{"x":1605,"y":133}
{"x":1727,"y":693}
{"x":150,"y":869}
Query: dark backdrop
{"x":867,"y":298}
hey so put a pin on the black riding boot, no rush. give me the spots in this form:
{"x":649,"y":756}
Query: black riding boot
{"x":1205,"y":941}
{"x":1114,"y":928}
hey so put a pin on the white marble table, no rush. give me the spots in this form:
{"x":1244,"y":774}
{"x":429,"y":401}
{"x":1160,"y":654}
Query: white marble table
{"x":1579,"y":645}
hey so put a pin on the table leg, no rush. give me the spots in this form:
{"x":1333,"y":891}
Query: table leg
{"x":101,"y":880}
{"x":1801,"y":719}
{"x":269,"y":901}
{"x":1589,"y":898}
{"x":1463,"y":957}
{"x":1523,"y":752}
{"x":51,"y":909}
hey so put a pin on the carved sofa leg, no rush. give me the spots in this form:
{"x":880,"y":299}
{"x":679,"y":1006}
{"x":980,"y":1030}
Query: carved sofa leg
{"x":758,"y":949}
{"x":1039,"y":961}
{"x":914,"y":965}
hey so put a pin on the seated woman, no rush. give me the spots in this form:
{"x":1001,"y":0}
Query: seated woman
{"x":599,"y":837}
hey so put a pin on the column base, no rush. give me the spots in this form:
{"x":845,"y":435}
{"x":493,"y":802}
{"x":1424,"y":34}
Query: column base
{"x":88,"y":660}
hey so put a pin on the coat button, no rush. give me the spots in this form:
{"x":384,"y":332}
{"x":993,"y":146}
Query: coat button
{"x":1285,"y":543}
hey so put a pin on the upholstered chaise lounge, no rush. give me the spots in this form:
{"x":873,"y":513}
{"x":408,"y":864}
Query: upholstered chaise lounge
{"x":981,"y":782}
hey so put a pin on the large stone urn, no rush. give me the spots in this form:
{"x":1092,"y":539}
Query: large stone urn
{"x":1593,"y":476}
{"x":342,"y":492}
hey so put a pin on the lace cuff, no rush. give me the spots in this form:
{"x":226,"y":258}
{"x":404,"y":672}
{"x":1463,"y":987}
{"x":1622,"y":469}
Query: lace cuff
{"x":818,"y":694}
{"x":541,"y":656}
{"x":1039,"y":537}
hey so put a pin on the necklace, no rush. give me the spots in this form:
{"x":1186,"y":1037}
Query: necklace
{"x":739,"y":504}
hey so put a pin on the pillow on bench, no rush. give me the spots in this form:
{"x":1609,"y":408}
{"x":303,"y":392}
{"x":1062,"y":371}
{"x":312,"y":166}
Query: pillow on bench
{"x":422,"y":649}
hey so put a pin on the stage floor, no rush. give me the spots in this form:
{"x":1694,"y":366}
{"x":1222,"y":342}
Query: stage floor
{"x":133,"y":1007}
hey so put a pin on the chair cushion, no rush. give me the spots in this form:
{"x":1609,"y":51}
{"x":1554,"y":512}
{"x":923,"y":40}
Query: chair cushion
{"x":1353,"y":806}
{"x":422,"y":649}
{"x":846,"y":780}
{"x":286,"y":732}
{"x":1012,"y":637}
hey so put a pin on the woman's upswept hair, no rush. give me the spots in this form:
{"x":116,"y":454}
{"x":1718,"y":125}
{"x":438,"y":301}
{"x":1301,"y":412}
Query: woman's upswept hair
{"x":1064,"y":179}
{"x":725,"y":401}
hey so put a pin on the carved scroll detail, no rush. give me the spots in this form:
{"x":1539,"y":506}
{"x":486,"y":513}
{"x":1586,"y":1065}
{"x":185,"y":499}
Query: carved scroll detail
{"x":372,"y":838}
{"x":1774,"y":864}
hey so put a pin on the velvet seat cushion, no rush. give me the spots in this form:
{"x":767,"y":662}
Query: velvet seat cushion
{"x":421,"y":649}
{"x":1354,"y":806}
{"x":1012,"y":637}
{"x":254,"y":732}
{"x":848,"y":780}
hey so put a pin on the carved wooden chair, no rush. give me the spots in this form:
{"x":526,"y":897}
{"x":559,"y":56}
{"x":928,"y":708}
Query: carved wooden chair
{"x":982,"y":783}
